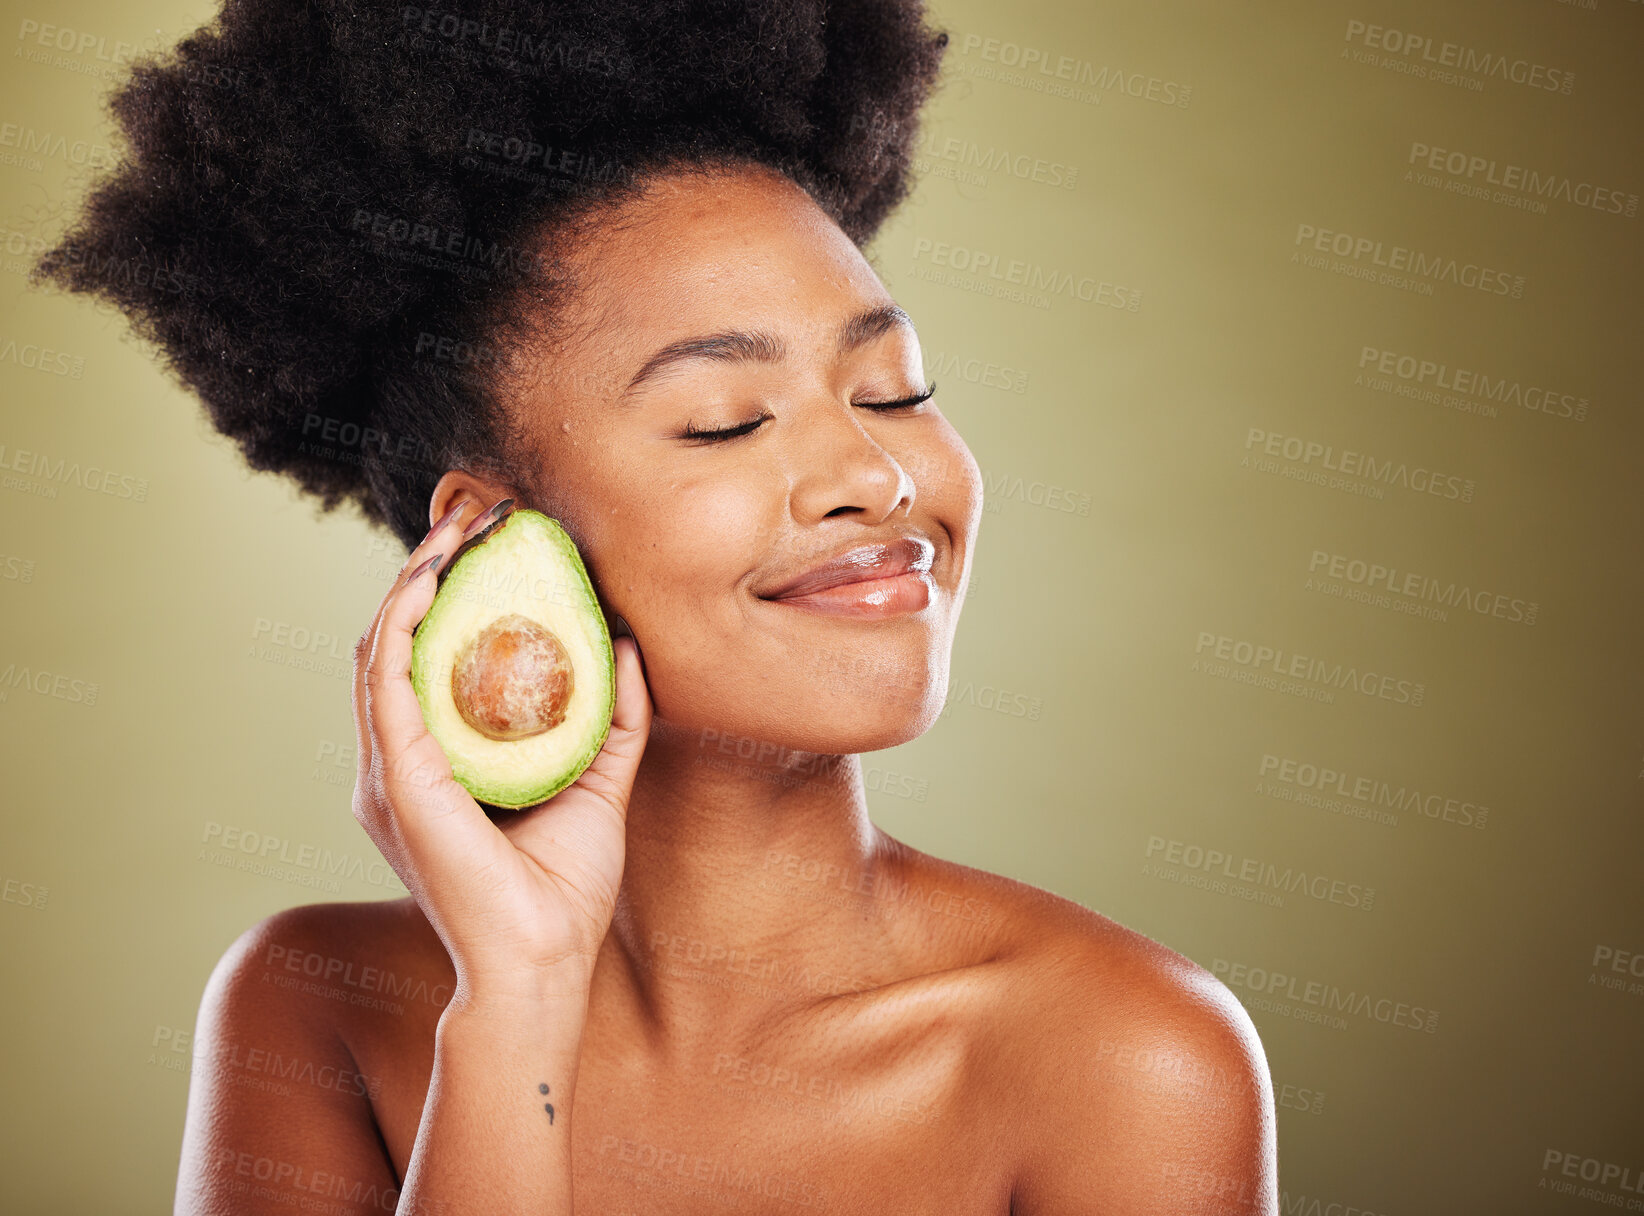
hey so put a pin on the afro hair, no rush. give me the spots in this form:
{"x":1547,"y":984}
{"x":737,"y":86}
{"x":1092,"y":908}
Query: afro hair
{"x":324,"y":212}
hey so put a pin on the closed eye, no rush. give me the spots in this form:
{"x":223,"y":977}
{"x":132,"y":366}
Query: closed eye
{"x":691,"y":430}
{"x":906,"y":403}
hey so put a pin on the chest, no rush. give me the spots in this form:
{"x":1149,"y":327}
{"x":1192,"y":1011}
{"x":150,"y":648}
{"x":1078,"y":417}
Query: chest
{"x":838,"y":1125}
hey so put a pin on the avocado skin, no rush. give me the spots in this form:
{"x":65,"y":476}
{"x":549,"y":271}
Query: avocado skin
{"x":431,"y":652}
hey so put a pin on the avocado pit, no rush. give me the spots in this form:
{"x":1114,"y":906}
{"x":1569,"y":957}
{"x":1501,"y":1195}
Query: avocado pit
{"x":512,"y":679}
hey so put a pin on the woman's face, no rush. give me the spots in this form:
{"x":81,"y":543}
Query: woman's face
{"x":688,"y":538}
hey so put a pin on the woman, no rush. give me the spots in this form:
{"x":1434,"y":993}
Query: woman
{"x":608,"y":265}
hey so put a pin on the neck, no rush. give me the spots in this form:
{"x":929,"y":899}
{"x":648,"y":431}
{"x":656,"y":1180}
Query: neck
{"x":752,"y":880}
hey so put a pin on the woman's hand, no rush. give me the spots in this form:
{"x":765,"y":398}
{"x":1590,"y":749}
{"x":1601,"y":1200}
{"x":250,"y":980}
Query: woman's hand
{"x":521,"y":906}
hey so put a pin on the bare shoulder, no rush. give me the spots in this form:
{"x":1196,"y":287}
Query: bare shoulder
{"x":326,"y":979}
{"x":1135,"y":1078}
{"x":334,"y":965}
{"x":341,"y":986}
{"x":1044,"y":939}
{"x":276,"y":1089}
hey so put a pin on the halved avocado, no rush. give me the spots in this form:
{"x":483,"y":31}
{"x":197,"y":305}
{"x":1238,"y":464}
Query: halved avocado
{"x":513,"y":664}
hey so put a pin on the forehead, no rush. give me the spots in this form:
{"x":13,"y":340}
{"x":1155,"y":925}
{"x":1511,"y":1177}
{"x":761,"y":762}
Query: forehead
{"x":697,"y":254}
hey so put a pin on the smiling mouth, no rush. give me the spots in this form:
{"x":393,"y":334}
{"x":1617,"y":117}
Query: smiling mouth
{"x":874,"y":562}
{"x":869,"y":581}
{"x":894,"y":595}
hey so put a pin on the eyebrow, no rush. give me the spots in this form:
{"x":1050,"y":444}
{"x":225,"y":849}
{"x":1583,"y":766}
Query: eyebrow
{"x":757,"y":346}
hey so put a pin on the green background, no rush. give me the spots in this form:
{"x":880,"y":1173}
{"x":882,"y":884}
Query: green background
{"x":204,"y":726}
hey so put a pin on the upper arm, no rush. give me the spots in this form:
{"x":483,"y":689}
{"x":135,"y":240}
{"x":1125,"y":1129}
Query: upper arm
{"x":1159,"y":1101}
{"x":277,"y":1112}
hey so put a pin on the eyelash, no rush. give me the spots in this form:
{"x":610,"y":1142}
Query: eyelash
{"x":906,"y":403}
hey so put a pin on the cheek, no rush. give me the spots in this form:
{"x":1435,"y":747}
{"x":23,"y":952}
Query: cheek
{"x":677,"y":554}
{"x":685,"y":539}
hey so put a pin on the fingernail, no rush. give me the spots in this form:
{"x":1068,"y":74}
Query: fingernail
{"x":487,"y":517}
{"x":431,"y":564}
{"x":443,"y":520}
{"x":628,"y":632}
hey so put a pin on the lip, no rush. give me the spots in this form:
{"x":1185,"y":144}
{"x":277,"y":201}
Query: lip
{"x":868,"y":599}
{"x":884,"y":562}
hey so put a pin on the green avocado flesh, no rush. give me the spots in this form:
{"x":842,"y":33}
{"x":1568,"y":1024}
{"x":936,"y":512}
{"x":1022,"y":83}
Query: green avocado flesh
{"x":513,"y":665}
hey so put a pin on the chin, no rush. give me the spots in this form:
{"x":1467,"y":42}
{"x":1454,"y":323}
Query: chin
{"x":860,"y":739}
{"x":864,"y":704}
{"x":905,"y":731}
{"x":871,"y":721}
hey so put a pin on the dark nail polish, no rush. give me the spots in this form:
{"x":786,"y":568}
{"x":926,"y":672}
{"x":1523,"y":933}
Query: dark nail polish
{"x":443,"y":520}
{"x":431,"y":564}
{"x":486,"y":518}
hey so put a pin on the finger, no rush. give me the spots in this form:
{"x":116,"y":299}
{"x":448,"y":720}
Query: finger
{"x":618,"y":760}
{"x":560,"y":828}
{"x":392,"y":711}
{"x":431,"y":823}
{"x":362,"y":648}
{"x":610,"y":777}
{"x":439,"y":534}
{"x":391,"y":704}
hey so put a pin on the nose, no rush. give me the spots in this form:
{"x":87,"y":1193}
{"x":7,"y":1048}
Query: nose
{"x":840,"y":469}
